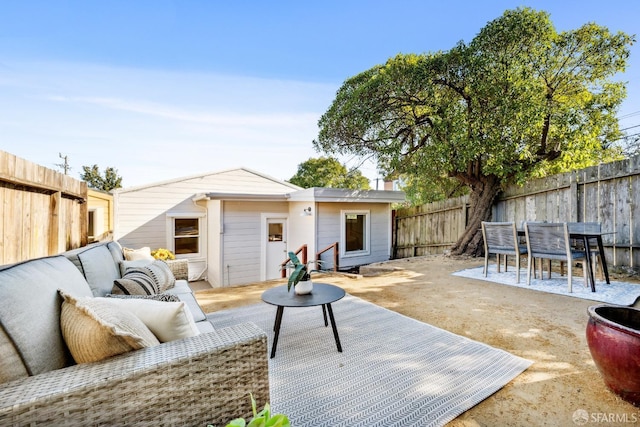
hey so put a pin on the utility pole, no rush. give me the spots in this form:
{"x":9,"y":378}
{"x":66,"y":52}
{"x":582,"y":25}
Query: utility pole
{"x":64,"y":166}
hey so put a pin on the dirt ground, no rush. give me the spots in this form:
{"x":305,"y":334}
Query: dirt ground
{"x":545,"y":328}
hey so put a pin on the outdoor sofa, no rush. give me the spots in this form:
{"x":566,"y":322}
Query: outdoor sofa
{"x":202,"y":379}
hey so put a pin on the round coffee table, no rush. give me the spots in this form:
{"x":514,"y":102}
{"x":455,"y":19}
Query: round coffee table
{"x":323,"y":294}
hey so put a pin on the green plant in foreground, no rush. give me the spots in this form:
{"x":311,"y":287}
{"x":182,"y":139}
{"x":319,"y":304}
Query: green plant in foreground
{"x":301,"y":272}
{"x":262,"y":418}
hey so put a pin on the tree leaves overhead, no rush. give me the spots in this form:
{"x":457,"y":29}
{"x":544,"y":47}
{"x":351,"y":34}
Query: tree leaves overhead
{"x":518,"y":95}
{"x":520,"y":100}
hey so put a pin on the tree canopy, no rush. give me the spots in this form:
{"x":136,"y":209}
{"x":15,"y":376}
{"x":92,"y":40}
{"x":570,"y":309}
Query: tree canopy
{"x":107,"y":182}
{"x":328,"y":172}
{"x":521,"y":100}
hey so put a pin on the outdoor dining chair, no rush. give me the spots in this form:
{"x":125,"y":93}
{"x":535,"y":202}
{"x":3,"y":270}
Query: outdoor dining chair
{"x":501,"y":238}
{"x":549,"y":240}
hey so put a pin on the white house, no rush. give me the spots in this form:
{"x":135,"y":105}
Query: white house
{"x":236,"y":226}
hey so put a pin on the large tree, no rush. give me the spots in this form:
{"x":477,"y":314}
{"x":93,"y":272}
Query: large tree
{"x":520,"y":100}
{"x":107,"y":182}
{"x":328,"y":172}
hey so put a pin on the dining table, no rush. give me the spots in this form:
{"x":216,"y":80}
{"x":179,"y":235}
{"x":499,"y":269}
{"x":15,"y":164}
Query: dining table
{"x":586,"y":232}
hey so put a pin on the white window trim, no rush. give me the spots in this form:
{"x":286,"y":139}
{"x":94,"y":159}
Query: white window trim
{"x":367,"y":241}
{"x":170,"y":220}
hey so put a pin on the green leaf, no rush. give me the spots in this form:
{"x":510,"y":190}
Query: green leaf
{"x":257,"y":422}
{"x":253,"y":404}
{"x":278,"y":420}
{"x":238,"y":422}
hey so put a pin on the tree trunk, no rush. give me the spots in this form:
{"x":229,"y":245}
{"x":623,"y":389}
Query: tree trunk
{"x":483,"y":194}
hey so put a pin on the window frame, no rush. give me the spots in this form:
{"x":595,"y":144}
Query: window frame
{"x":171,"y":234}
{"x":367,"y":233}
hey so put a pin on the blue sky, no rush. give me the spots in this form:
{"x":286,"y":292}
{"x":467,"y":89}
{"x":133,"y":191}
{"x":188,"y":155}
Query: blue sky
{"x":160,"y":89}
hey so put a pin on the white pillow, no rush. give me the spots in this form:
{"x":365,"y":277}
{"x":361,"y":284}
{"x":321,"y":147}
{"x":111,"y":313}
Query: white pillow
{"x":167,"y":320}
{"x":134,"y":254}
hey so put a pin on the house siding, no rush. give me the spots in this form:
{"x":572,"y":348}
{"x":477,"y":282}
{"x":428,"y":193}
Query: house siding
{"x":329,"y":227}
{"x":242,"y":240}
{"x":141,"y":213}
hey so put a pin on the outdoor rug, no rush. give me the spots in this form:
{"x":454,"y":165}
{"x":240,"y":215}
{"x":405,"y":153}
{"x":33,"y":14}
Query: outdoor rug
{"x":394,"y":370}
{"x":620,"y":293}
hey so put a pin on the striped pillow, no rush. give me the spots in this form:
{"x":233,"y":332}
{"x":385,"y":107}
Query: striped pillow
{"x":136,"y":281}
{"x":162,"y":274}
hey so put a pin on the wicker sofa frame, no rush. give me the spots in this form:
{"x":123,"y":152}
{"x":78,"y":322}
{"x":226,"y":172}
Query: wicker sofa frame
{"x":197,"y":381}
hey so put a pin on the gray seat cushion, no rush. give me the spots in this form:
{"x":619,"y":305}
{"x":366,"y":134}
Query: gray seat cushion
{"x":30,"y":314}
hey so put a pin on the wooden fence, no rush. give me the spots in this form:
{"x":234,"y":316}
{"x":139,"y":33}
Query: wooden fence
{"x":607,"y":193}
{"x":429,"y":229}
{"x":42,"y":212}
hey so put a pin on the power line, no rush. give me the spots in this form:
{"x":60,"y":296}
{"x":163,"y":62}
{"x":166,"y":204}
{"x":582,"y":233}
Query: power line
{"x":635,"y":113}
{"x":630,"y":127}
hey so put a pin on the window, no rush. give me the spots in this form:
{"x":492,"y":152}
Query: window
{"x":186,"y":235}
{"x":355,"y":234}
{"x":275,"y":231}
{"x":92,"y":230}
{"x":95,"y":226}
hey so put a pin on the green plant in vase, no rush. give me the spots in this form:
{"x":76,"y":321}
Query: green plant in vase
{"x":300,"y":274}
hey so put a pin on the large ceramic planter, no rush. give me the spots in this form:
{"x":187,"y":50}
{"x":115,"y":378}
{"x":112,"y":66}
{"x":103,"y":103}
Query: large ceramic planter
{"x":613,"y":335}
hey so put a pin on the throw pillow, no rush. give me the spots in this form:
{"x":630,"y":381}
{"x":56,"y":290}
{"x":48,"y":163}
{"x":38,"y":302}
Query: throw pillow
{"x":134,"y":254}
{"x":94,"y":330}
{"x":162,"y":274}
{"x":136,"y":281}
{"x":125,"y":265}
{"x":158,"y":297}
{"x":142,"y":274}
{"x":167,"y":320}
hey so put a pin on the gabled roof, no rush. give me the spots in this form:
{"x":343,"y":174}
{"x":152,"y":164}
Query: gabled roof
{"x":209,"y":174}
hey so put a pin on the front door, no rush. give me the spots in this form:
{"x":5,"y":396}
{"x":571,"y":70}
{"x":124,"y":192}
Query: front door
{"x":276,"y":246}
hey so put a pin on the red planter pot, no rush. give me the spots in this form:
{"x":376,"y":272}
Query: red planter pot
{"x":613,"y":335}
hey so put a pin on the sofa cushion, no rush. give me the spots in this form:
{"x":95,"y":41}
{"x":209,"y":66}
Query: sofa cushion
{"x":184,"y":292}
{"x":116,"y":251}
{"x":94,"y":330}
{"x":30,"y":314}
{"x":167,"y":320}
{"x":99,"y":268}
{"x":136,"y":281}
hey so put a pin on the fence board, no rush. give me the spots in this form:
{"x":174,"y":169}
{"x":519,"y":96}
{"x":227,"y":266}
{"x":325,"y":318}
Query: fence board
{"x":607,"y":193}
{"x":43,"y":212}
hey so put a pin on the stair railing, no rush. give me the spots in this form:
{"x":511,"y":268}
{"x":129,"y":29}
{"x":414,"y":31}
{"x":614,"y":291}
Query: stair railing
{"x":303,"y":258}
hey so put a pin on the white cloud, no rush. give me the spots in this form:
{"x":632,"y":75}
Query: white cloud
{"x":153,"y":125}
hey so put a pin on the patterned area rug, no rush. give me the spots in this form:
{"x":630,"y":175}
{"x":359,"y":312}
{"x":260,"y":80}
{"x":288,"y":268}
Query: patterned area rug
{"x":394,"y":370}
{"x":621,"y":293}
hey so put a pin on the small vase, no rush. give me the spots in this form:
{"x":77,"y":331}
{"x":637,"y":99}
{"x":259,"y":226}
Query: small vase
{"x":303,"y":287}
